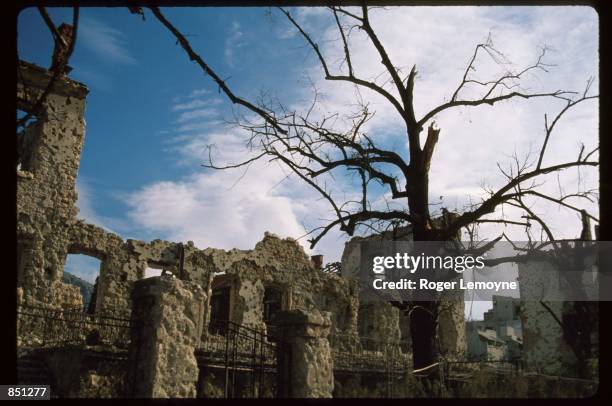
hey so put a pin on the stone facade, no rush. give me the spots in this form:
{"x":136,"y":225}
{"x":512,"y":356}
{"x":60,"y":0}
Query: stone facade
{"x":501,"y":324}
{"x":81,"y":372}
{"x":283,"y":265}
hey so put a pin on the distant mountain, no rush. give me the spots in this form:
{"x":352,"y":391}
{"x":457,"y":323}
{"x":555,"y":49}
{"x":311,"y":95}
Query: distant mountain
{"x":85,"y":287}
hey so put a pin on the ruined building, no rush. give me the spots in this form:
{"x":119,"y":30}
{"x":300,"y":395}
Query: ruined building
{"x":139,"y":331}
{"x":265,"y":322}
{"x":380,"y":319}
{"x":499,"y":336}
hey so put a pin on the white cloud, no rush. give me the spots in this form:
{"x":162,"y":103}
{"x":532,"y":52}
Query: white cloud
{"x":197,"y":114}
{"x":207,"y":208}
{"x":232,"y":43}
{"x":105,"y":41}
{"x":85,"y":204}
{"x":198,"y":93}
{"x":440,"y":41}
{"x":225,"y":209}
{"x":194,"y":104}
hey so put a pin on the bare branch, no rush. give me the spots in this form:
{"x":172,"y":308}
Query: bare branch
{"x":489,"y":205}
{"x":430,"y":144}
{"x":349,"y":78}
{"x":352,"y":219}
{"x":347,"y":54}
{"x":207,"y":70}
{"x":501,"y":221}
{"x":549,"y":129}
{"x":490,"y":101}
{"x":560,"y":201}
{"x":405,"y":93}
{"x":238,"y":165}
{"x":57,"y":67}
{"x":57,"y":38}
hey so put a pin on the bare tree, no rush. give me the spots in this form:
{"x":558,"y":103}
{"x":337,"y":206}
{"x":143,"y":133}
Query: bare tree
{"x":313,"y":147}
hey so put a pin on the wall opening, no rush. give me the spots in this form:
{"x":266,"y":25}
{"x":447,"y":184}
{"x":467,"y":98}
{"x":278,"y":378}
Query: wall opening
{"x":156,"y":269}
{"x":25,"y":141}
{"x":83,"y":271}
{"x":364,"y":321}
{"x":220,"y":304}
{"x":152,"y":272}
{"x":272,"y":304}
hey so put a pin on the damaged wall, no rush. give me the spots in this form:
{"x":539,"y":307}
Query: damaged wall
{"x":49,"y":154}
{"x":545,"y":349}
{"x":387,"y":322}
{"x":48,"y":230}
{"x":282,"y":264}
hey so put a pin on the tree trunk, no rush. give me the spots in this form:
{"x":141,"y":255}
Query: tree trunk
{"x":423,"y":334}
{"x":423,"y":317}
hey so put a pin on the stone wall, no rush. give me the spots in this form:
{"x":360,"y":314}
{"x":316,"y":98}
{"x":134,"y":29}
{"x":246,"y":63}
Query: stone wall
{"x":282,"y":264}
{"x":47,"y":225}
{"x":167,"y":326}
{"x":49,"y":155}
{"x":309,"y":368}
{"x":544,"y":348}
{"x":85,"y":371}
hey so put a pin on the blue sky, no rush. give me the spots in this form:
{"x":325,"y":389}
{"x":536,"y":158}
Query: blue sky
{"x":151,"y":113}
{"x":135,"y":73}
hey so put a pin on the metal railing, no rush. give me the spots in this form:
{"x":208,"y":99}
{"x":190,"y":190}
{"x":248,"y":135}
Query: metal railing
{"x":504,"y":365}
{"x":386,"y":359}
{"x":45,"y":326}
{"x":227,"y":339}
{"x":333,"y":267}
{"x":239,"y":349}
{"x":354,"y":353}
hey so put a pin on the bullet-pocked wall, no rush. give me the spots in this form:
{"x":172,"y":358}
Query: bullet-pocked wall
{"x":247,"y":279}
{"x":49,"y":151}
